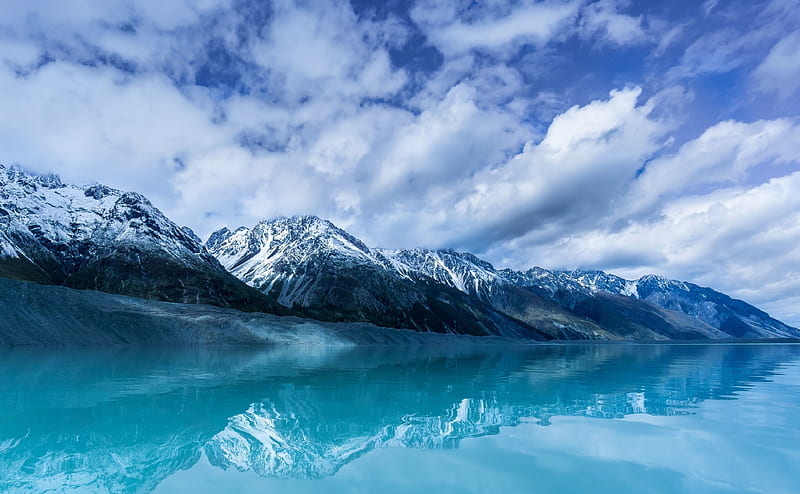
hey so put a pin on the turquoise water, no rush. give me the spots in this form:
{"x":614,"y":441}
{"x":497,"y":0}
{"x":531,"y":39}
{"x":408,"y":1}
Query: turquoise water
{"x":545,"y":419}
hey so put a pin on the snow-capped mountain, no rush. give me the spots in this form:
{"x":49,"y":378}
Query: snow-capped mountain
{"x":460,"y":270}
{"x":311,"y":263}
{"x":96,"y":237}
{"x":273,"y":253}
{"x":733,"y":317}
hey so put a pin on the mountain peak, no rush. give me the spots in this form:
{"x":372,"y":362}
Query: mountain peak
{"x":300,"y":223}
{"x":216,"y":238}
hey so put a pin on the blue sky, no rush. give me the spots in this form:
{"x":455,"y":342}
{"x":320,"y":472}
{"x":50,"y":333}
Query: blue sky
{"x":628,"y":136}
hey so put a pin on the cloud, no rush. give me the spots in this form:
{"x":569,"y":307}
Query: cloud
{"x":604,"y":20}
{"x":724,"y":154}
{"x":698,"y":215}
{"x":92,"y":124}
{"x":501,"y":28}
{"x":780,"y":70}
{"x":534,"y":23}
{"x":739,"y":240}
{"x":324,"y":50}
{"x":587,"y":158}
{"x":736,"y":36}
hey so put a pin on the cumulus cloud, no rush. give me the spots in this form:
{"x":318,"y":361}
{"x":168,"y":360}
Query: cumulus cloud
{"x":724,"y":154}
{"x":91,"y":124}
{"x":587,"y":158}
{"x":740,"y":240}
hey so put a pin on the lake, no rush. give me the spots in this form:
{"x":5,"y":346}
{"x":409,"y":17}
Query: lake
{"x":604,"y":418}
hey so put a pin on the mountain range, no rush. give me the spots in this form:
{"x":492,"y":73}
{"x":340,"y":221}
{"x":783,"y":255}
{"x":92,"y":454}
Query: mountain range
{"x":309,"y":264}
{"x":99,"y":238}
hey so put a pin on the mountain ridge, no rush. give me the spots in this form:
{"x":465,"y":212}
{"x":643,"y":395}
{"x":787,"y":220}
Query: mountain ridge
{"x":647,"y":308}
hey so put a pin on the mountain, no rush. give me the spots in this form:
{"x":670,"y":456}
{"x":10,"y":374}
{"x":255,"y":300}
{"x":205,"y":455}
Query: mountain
{"x":517,"y":296}
{"x":100,"y":238}
{"x":309,"y":263}
{"x":581,"y":290}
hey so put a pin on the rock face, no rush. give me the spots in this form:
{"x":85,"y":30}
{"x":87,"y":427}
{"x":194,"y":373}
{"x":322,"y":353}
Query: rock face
{"x":310,"y":264}
{"x":100,"y":238}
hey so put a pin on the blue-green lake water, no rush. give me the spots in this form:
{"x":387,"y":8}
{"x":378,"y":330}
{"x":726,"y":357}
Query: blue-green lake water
{"x":535,"y":419}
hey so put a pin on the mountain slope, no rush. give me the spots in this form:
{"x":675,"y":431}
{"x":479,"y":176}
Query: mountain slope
{"x":574,"y":288}
{"x":100,"y":238}
{"x":513,"y":294}
{"x":311,"y":265}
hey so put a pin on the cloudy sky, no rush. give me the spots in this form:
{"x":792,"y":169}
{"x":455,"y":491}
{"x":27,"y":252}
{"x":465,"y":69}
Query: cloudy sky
{"x":629,"y":136}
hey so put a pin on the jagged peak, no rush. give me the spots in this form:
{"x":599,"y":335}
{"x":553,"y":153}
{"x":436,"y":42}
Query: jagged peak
{"x":218,"y":237}
{"x":653,"y":278}
{"x":309,"y":226}
{"x":26,"y":177}
{"x":422,"y":253}
{"x":304,"y":222}
{"x":99,"y":191}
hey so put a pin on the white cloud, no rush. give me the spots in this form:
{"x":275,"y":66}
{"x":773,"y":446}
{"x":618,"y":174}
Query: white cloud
{"x":535,"y":23}
{"x":587,"y":158}
{"x":709,"y":5}
{"x":321,"y":50}
{"x":737,"y":35}
{"x":97,"y":124}
{"x":604,"y":20}
{"x":722,"y":155}
{"x":780,"y":70}
{"x":739,"y":240}
{"x":696,"y":215}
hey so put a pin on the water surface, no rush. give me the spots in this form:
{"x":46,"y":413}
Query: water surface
{"x":541,"y":419}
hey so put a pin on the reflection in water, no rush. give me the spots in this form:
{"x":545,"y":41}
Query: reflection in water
{"x":124,"y":420}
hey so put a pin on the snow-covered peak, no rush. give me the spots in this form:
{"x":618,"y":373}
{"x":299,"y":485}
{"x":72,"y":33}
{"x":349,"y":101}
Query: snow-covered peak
{"x":296,"y":236}
{"x":600,"y":280}
{"x":460,"y":270}
{"x":322,"y":233}
{"x":277,"y":249}
{"x":42,"y":210}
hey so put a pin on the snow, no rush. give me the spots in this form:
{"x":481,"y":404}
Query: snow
{"x":45,"y":211}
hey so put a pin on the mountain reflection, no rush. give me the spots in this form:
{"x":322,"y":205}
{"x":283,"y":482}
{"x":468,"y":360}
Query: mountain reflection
{"x":123,"y":420}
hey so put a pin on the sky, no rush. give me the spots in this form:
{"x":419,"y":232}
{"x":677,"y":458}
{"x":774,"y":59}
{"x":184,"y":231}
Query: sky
{"x":630,"y":136}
